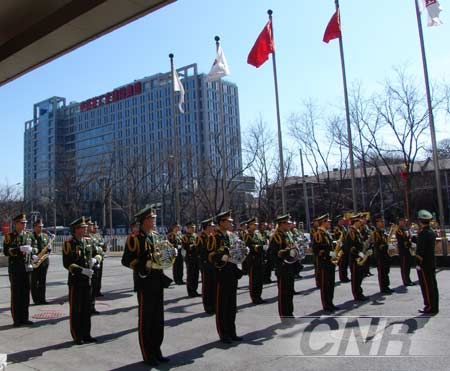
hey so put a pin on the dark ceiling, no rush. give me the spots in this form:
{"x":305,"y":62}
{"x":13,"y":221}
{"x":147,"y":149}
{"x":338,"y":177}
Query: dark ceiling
{"x":34,"y":32}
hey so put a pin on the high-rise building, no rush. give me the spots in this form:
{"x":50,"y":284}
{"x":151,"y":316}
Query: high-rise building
{"x":132,"y":146}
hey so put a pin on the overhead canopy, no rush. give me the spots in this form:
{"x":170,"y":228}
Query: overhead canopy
{"x":34,"y":32}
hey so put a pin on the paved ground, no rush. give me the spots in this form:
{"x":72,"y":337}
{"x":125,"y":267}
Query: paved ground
{"x":385,"y":333}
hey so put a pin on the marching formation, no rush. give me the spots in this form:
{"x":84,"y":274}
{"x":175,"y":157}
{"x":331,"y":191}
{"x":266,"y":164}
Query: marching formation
{"x":221,"y":257}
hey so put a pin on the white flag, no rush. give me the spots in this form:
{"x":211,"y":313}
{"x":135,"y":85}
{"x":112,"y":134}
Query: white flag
{"x":178,"y":86}
{"x":219,"y":68}
{"x":433,"y":8}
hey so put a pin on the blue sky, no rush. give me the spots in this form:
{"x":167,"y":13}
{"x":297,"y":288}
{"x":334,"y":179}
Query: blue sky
{"x":377,"y":36}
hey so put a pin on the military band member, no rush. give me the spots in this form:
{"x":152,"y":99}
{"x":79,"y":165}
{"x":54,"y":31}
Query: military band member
{"x":426,"y":263}
{"x":102,"y":247}
{"x":339,"y":233}
{"x":281,"y":246}
{"x":227,"y":274}
{"x":78,"y":260}
{"x":134,"y":232}
{"x":404,"y":250}
{"x":255,"y":260}
{"x":269,"y":263}
{"x":295,"y":236}
{"x":324,"y":245}
{"x":139,"y":256}
{"x":313,"y":234}
{"x":241,"y":235}
{"x":366,"y":231}
{"x":96,"y":250}
{"x":175,"y":238}
{"x":40,"y":242}
{"x":205,"y":247}
{"x":354,"y":243}
{"x":379,"y":241}
{"x":17,"y":247}
{"x":189,"y":244}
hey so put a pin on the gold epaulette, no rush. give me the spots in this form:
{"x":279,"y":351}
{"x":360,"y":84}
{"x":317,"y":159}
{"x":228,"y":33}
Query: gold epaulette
{"x":276,"y":237}
{"x":317,"y":237}
{"x":351,"y":234}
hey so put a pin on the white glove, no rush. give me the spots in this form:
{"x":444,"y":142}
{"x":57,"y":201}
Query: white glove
{"x":87,"y":272}
{"x":225,"y":258}
{"x":93,"y":262}
{"x":266,"y":247}
{"x":148,"y":265}
{"x":292,"y":253}
{"x":418,"y":267}
{"x":35,"y":258}
{"x":361,"y":255}
{"x":183,"y":253}
{"x":26,"y":249}
{"x":391,"y":246}
{"x":413,"y":245}
{"x":247,"y":251}
{"x":175,"y":252}
{"x":332,"y":254}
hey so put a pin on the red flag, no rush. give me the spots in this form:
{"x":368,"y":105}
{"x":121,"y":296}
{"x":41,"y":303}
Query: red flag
{"x":263,"y":47}
{"x":333,"y":30}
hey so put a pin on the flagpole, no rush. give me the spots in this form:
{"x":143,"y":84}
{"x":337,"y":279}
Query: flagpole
{"x":433,"y":133}
{"x":305,"y":193}
{"x":347,"y":117}
{"x":280,"y":142}
{"x":222,"y":136}
{"x":175,"y":143}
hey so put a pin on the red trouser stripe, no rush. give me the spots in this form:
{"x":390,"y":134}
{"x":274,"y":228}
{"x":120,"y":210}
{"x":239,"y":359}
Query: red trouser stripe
{"x":141,"y":325}
{"x":219,"y":331}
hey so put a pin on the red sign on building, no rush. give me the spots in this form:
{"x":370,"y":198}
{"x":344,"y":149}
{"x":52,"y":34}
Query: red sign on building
{"x":112,"y":96}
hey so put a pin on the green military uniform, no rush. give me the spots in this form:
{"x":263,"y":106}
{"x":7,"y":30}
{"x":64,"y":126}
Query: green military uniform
{"x":78,"y":260}
{"x":139,"y":255}
{"x":190,"y":244}
{"x":339,"y":234}
{"x":40,"y":242}
{"x":426,"y":264}
{"x":17,"y":247}
{"x":227,"y":274}
{"x":325,"y":251}
{"x":280,"y":247}
{"x":255,"y":261}
{"x":355,"y":244}
{"x":205,"y":247}
{"x":403,"y":238}
{"x":176,"y":240}
{"x":379,"y":242}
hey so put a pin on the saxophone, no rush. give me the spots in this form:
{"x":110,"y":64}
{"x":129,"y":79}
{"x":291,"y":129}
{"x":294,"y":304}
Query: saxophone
{"x":367,"y":251}
{"x":338,"y":250}
{"x":43,"y":255}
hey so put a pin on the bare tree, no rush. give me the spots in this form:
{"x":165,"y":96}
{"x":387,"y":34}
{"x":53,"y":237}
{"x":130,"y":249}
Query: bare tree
{"x":11,"y":201}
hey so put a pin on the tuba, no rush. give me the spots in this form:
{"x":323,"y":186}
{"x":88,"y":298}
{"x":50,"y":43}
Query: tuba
{"x":43,"y":255}
{"x":164,"y":255}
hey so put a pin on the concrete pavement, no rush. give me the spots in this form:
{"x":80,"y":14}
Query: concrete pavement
{"x":385,"y":333}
